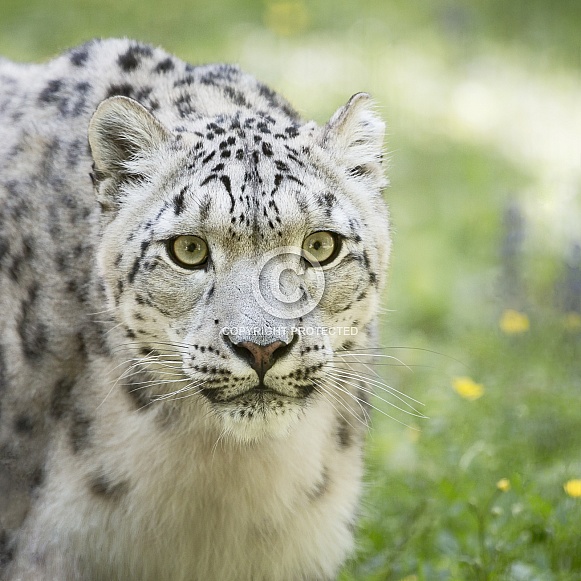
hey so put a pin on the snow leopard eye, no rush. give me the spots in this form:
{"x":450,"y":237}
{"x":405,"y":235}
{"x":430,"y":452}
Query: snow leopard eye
{"x":322,"y":246}
{"x":188,"y":251}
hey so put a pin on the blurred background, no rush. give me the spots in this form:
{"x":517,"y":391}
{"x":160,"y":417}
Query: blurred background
{"x":482,"y":319}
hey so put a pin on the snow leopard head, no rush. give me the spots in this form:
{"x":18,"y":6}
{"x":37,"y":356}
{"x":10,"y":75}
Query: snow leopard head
{"x":240,"y":252}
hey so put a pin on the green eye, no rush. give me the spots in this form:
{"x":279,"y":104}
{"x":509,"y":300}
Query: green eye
{"x":188,"y":251}
{"x":322,"y":246}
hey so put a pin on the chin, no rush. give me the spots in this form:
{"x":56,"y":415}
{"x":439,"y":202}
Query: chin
{"x":255,"y":420}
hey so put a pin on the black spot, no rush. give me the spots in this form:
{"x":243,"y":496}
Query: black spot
{"x":4,"y":247}
{"x":81,"y":89}
{"x":366,"y":261}
{"x":214,"y":395}
{"x":263,"y":127}
{"x":3,"y":372}
{"x":343,"y":433}
{"x":358,"y":171}
{"x":210,"y":178}
{"x":266,"y":148}
{"x":136,"y":389}
{"x":122,"y":90}
{"x":237,"y":97}
{"x":178,"y":201}
{"x":74,"y":151}
{"x":33,"y":332}
{"x":294,"y":179}
{"x":105,"y":488}
{"x":80,"y":430}
{"x":131,"y":59}
{"x":164,"y":66}
{"x":128,"y":61}
{"x":187,"y":80}
{"x":351,"y":525}
{"x":226,"y":181}
{"x":23,"y":424}
{"x":36,"y":478}
{"x":50,"y":94}
{"x":208,"y":157}
{"x":6,"y":549}
{"x":134,"y":269}
{"x":143,"y":94}
{"x":321,"y":487}
{"x":305,"y":390}
{"x":205,"y":208}
{"x":328,"y":199}
{"x":218,"y":73}
{"x":79,"y":56}
{"x":184,"y":105}
{"x":363,"y":398}
{"x":59,"y":403}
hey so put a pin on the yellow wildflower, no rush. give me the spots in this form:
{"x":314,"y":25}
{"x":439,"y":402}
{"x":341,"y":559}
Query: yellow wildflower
{"x":513,"y":322}
{"x":503,"y":485}
{"x":573,"y":487}
{"x":286,"y":18}
{"x":572,"y":321}
{"x":468,"y":388}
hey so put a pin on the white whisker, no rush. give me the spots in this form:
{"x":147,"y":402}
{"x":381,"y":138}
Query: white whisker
{"x":378,"y":383}
{"x":329,"y":393}
{"x":383,"y":412}
{"x":414,"y":412}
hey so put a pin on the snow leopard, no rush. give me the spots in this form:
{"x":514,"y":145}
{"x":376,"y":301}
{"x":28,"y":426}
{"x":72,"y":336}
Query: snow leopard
{"x":190,"y":276}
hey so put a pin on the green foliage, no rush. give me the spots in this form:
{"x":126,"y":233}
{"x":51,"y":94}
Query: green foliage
{"x":433,"y":506}
{"x":486,"y":213}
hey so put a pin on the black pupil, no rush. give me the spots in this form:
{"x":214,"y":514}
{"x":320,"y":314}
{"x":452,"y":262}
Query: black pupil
{"x":191,"y":247}
{"x":317,"y":245}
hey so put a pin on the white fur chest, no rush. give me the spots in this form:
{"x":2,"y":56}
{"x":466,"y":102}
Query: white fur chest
{"x":148,"y":501}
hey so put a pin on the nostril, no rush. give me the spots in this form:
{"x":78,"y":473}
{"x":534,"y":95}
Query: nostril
{"x":240,"y":350}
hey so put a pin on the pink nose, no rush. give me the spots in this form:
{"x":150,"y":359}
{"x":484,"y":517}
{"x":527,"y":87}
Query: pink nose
{"x":260,"y":357}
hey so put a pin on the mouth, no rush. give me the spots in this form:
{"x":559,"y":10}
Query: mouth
{"x":259,"y":393}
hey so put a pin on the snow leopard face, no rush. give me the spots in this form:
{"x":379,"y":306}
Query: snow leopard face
{"x":239,"y":253}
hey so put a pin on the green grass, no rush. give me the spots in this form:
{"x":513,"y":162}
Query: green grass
{"x":432,"y":509}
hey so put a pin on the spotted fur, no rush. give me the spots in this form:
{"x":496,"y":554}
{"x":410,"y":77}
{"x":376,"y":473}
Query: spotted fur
{"x":137,"y":441}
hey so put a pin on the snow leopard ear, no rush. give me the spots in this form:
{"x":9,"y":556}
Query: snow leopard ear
{"x":121,"y":134}
{"x":354,"y":137}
